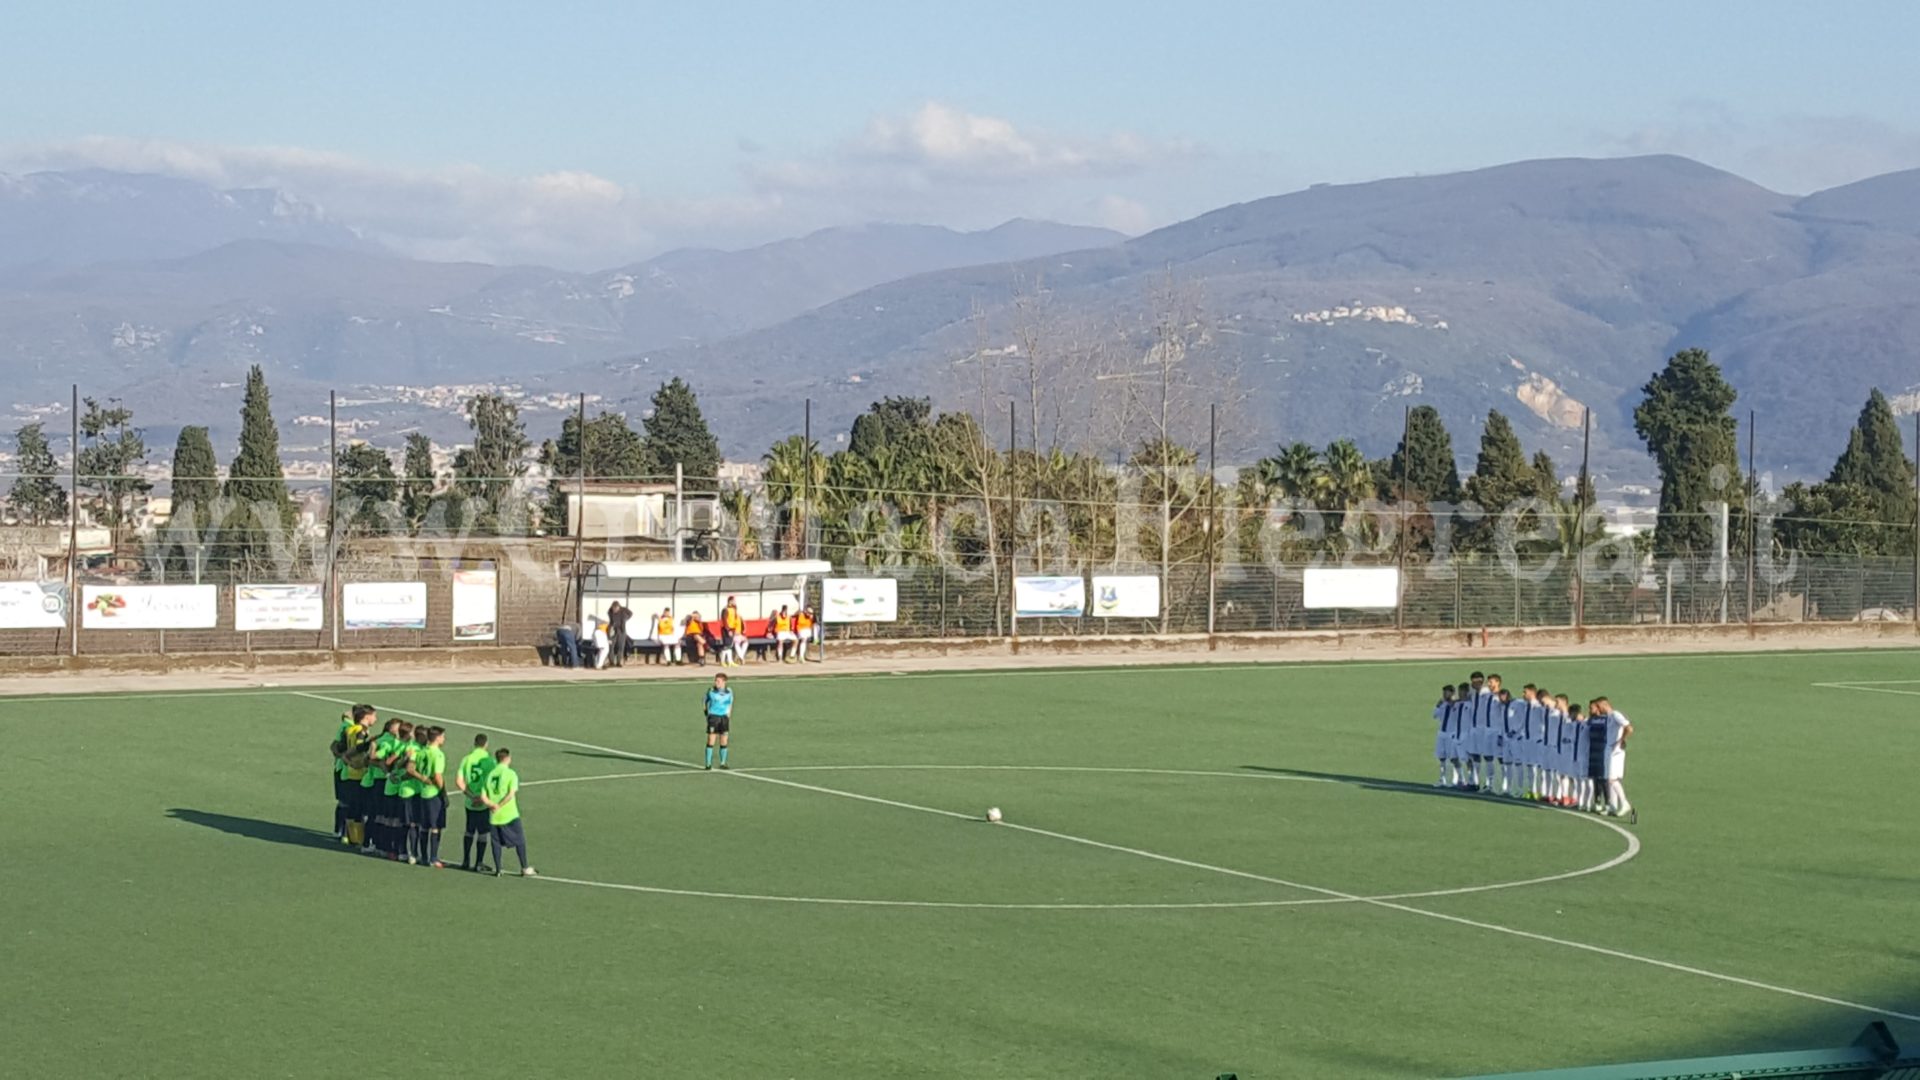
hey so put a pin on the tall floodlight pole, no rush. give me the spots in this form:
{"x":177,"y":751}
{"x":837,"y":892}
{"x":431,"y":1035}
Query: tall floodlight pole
{"x":1013,"y":518}
{"x":73,"y":530}
{"x":1400,"y":506}
{"x":1213,"y":537}
{"x":1753,"y":499}
{"x":332,"y":587}
{"x":806,"y":476}
{"x":1580,"y":523}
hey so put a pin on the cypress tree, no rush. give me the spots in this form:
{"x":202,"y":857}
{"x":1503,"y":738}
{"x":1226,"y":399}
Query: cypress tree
{"x":484,"y":474}
{"x":677,"y":433}
{"x":1875,"y":461}
{"x":36,"y":498}
{"x":1500,"y":478}
{"x":891,"y":421}
{"x":260,"y":512}
{"x":195,"y":488}
{"x":416,"y":491}
{"x":1685,"y":421}
{"x":365,"y":490}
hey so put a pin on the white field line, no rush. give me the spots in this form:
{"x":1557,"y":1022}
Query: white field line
{"x":610,"y":776}
{"x":1210,"y":668}
{"x":1331,"y":893}
{"x":1862,"y":688}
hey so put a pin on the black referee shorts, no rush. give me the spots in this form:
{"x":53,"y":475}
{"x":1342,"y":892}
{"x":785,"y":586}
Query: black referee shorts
{"x":718,"y":725}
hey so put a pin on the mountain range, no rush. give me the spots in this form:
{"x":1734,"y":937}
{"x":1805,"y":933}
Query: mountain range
{"x":1543,"y":288}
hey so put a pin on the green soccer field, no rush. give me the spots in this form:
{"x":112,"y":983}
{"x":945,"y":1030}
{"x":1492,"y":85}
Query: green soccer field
{"x":1202,"y":870}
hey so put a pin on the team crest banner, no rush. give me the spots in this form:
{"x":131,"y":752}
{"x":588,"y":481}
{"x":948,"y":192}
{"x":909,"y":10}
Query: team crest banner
{"x":1126,"y":597}
{"x":33,"y":605}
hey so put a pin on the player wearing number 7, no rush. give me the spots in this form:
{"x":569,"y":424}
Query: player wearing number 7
{"x":719,"y":710}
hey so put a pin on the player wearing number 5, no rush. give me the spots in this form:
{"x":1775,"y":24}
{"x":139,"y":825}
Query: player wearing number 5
{"x":719,"y":710}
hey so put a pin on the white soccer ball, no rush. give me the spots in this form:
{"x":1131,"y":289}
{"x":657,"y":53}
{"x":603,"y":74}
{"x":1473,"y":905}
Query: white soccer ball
{"x":993,"y":814}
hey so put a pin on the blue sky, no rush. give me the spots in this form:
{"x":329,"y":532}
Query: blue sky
{"x":621,"y":128}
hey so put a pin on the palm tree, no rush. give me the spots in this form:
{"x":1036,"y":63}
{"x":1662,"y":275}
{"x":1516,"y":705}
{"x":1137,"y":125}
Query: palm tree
{"x":1348,"y":482}
{"x":1299,"y":473}
{"x":736,"y":503}
{"x":796,"y":472}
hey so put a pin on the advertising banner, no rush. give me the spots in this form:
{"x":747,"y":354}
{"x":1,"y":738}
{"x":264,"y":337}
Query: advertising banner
{"x":1352,"y":587}
{"x":279,"y":607}
{"x":1126,"y":597}
{"x":853,"y":600}
{"x":33,"y":605}
{"x":384,"y":605}
{"x":1049,"y":597}
{"x":476,"y":605}
{"x":150,"y":607}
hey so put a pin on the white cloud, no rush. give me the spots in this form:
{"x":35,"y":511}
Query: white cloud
{"x":572,"y":219}
{"x":1791,"y":154}
{"x":936,"y":164}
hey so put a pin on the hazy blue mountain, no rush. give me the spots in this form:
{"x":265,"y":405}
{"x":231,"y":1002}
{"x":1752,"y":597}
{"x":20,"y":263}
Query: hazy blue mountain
{"x":68,"y":219}
{"x":1891,"y":201}
{"x":1539,"y":288}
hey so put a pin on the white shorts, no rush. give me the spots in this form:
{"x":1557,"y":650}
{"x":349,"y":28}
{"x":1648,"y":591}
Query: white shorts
{"x":1442,"y":746}
{"x":1617,"y":765}
{"x":785,"y":636}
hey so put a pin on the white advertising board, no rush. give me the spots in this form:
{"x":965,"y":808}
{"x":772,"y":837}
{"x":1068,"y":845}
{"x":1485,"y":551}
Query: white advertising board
{"x":1352,"y":587}
{"x":1126,"y":597}
{"x":279,"y":607}
{"x":854,"y":600}
{"x":384,"y":605}
{"x":1049,"y":597}
{"x":476,"y":605}
{"x":33,"y":605}
{"x":150,"y":607}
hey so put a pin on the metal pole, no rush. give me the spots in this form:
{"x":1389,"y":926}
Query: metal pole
{"x":1916,"y":518}
{"x":1580,"y":525}
{"x":679,"y":509}
{"x":1400,"y":506}
{"x":1013,"y":518}
{"x":333,"y":512}
{"x":1213,"y":535}
{"x":579,"y":509}
{"x":1753,"y":497}
{"x":73,"y":530}
{"x":806,"y":475}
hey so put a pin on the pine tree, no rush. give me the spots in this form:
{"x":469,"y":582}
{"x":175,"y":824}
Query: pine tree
{"x":113,"y":448}
{"x":260,"y":513}
{"x":677,"y":433}
{"x":614,"y":451}
{"x":195,"y":488}
{"x":485,"y":475}
{"x":1876,"y":461}
{"x":1685,"y":421}
{"x":365,"y":489}
{"x":416,"y":491}
{"x":36,"y":498}
{"x":1425,"y":460}
{"x":1501,"y":477}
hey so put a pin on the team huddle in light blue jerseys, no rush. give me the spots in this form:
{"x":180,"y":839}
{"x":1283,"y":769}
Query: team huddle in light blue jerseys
{"x":1538,"y":746}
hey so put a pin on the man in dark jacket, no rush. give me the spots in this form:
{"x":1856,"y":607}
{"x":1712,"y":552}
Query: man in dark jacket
{"x":617,"y":617}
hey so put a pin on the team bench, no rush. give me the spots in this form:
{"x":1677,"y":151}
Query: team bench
{"x":758,"y":632}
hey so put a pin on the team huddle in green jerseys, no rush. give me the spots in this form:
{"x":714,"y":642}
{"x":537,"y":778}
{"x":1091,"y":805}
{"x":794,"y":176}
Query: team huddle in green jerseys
{"x":392,"y":790}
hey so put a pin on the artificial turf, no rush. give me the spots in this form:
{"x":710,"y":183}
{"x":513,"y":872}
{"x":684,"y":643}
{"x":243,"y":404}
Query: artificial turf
{"x":174,"y":907}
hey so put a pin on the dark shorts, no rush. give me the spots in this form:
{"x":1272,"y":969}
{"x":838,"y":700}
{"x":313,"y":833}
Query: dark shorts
{"x":362,"y":801}
{"x":411,"y":810}
{"x":718,"y":725}
{"x":477,"y":823}
{"x":343,"y":790}
{"x":431,"y":812}
{"x":510,"y":834}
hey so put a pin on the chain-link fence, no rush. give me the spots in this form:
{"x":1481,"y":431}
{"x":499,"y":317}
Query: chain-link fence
{"x":533,"y":594}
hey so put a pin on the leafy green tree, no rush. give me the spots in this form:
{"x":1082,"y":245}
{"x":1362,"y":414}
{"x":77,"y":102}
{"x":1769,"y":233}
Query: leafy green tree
{"x":365,"y":491}
{"x":1685,"y":421}
{"x":1876,"y":462}
{"x":260,"y":514}
{"x":112,"y":448}
{"x":890,"y":421}
{"x":486,"y":474}
{"x":36,"y":498}
{"x":737,"y":505}
{"x":417,"y":487}
{"x":613,"y":450}
{"x":676,"y":432}
{"x":195,"y":487}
